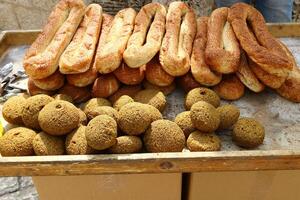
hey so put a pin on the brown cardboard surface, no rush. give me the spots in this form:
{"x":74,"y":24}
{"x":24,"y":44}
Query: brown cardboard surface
{"x":110,"y":187}
{"x":253,"y":185}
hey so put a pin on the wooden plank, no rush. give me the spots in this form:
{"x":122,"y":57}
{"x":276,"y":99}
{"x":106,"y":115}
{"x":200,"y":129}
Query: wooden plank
{"x":284,"y":29}
{"x":150,"y":163}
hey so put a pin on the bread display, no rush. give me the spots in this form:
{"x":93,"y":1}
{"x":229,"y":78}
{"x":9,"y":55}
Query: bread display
{"x":222,"y":49}
{"x":145,"y":41}
{"x":83,"y":79}
{"x":41,"y":59}
{"x":187,"y":82}
{"x":105,"y":85}
{"x":78,"y":94}
{"x":130,"y":76}
{"x":177,"y":43}
{"x":200,"y":70}
{"x":230,"y":88}
{"x":34,"y":90}
{"x":111,"y":48}
{"x":50,"y":83}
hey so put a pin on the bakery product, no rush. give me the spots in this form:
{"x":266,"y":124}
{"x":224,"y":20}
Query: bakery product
{"x":265,"y":51}
{"x":129,"y":90}
{"x":34,"y":90}
{"x":130,"y":76}
{"x":152,"y":97}
{"x":183,"y":120}
{"x":127,"y":144}
{"x":52,"y":82}
{"x":198,"y":141}
{"x":177,"y":43}
{"x":78,"y":56}
{"x":41,"y":59}
{"x":229,"y":114}
{"x":83,"y":79}
{"x":111,"y":47}
{"x":105,"y":85}
{"x":156,"y":75}
{"x":145,"y":41}
{"x":45,"y":145}
{"x":199,"y":68}
{"x":78,"y":94}
{"x":12,"y":110}
{"x":187,"y":82}
{"x":201,"y":94}
{"x":230,"y":88}
{"x":123,"y":100}
{"x":165,"y":89}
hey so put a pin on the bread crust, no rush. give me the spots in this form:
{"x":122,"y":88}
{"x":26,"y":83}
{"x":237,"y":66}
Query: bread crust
{"x":130,"y":90}
{"x":130,"y":76}
{"x":222,"y":49}
{"x":187,"y":82}
{"x":78,"y":56}
{"x":34,"y":90}
{"x":78,"y":94}
{"x":230,"y":88}
{"x":41,"y":59}
{"x":145,"y":41}
{"x":105,"y":85}
{"x":200,"y":69}
{"x":52,"y":82}
{"x":266,"y":51}
{"x":112,"y":46}
{"x":83,"y":79}
{"x":177,"y":43}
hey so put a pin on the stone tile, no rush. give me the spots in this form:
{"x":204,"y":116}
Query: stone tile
{"x":23,"y":194}
{"x":25,"y":182}
{"x":44,"y":4}
{"x":27,"y":3}
{"x":7,"y":17}
{"x":31,"y":18}
{"x":8,"y":185}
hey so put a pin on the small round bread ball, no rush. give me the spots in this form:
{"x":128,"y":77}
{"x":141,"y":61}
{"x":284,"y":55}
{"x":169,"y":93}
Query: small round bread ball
{"x":201,"y":94}
{"x":198,"y":141}
{"x":59,"y":117}
{"x":76,"y":143}
{"x":154,"y":113}
{"x":103,"y":110}
{"x":12,"y":110}
{"x":101,"y":132}
{"x":134,"y":118}
{"x":248,"y":133}
{"x":123,"y":100}
{"x":229,"y":114}
{"x":17,"y":142}
{"x":164,"y":136}
{"x":183,"y":120}
{"x":63,"y":97}
{"x":44,"y":145}
{"x":82,"y":117}
{"x":205,"y":117}
{"x":127,"y":144}
{"x":93,"y":103}
{"x":32,"y":108}
{"x":152,"y":97}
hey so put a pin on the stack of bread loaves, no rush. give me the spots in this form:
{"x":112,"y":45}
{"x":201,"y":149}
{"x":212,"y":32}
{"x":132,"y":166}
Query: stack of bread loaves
{"x":104,"y":56}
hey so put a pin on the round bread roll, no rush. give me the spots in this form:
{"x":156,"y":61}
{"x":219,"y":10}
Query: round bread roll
{"x":103,"y":110}
{"x":59,"y":118}
{"x":93,"y":103}
{"x":32,"y":108}
{"x":230,"y":88}
{"x":101,"y":132}
{"x":123,"y":100}
{"x":17,"y":142}
{"x":154,"y":113}
{"x":34,"y":90}
{"x":82,"y":117}
{"x":63,"y":97}
{"x":248,"y":133}
{"x":201,"y":94}
{"x":184,"y":121}
{"x":205,"y":117}
{"x":78,"y":94}
{"x":129,"y":90}
{"x":229,"y":114}
{"x":187,"y":82}
{"x":127,"y":144}
{"x":105,"y":85}
{"x":44,"y":145}
{"x":52,"y":82}
{"x":164,"y":136}
{"x":152,"y":97}
{"x":76,"y":143}
{"x":164,"y":89}
{"x":130,"y":76}
{"x":83,"y":79}
{"x":13,"y":108}
{"x":198,"y":141}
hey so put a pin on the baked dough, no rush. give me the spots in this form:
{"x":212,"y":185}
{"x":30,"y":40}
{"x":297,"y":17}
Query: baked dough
{"x":177,"y":43}
{"x":41,"y":59}
{"x":113,"y":43}
{"x":200,"y":69}
{"x":78,"y":56}
{"x":222,"y":51}
{"x":52,"y":82}
{"x":130,"y":76}
{"x":83,"y":79}
{"x":230,"y":88}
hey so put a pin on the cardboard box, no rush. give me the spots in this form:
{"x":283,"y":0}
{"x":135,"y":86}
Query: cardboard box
{"x":252,"y":185}
{"x":110,"y":187}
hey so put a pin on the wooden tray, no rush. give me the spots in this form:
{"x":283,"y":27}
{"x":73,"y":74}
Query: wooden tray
{"x":270,"y":156}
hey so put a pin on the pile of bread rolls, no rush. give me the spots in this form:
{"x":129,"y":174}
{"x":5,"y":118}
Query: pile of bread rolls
{"x":83,"y":52}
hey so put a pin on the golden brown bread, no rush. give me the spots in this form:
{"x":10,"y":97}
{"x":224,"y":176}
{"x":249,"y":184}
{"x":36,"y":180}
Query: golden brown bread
{"x":266,"y":51}
{"x":130,"y":76}
{"x":145,"y":41}
{"x":129,"y":90}
{"x":109,"y":55}
{"x":41,"y":59}
{"x":230,"y":88}
{"x":164,"y":89}
{"x":78,"y":94}
{"x":200,"y":69}
{"x":34,"y":90}
{"x":222,"y":49}
{"x":177,"y":43}
{"x":156,"y":75}
{"x":83,"y":79}
{"x":105,"y":85}
{"x":187,"y":82}
{"x":52,"y":82}
{"x":247,"y":77}
{"x":78,"y":56}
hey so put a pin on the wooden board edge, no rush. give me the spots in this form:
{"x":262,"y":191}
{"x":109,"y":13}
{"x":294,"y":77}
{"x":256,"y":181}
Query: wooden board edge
{"x":284,"y":29}
{"x":150,"y":163}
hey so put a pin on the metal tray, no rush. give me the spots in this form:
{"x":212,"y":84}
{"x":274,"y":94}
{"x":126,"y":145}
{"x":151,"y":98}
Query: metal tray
{"x":281,"y":148}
